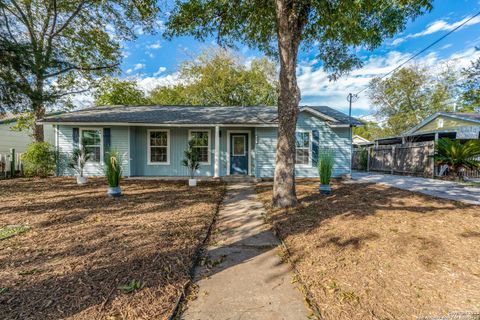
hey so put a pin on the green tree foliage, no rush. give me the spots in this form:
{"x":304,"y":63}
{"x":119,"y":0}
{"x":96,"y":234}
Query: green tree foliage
{"x":410,"y":95}
{"x":457,"y":155}
{"x":370,"y":131}
{"x":50,"y":49}
{"x":219,"y":77}
{"x":470,"y":86}
{"x":39,"y":160}
{"x":113,"y":91}
{"x":279,"y":27}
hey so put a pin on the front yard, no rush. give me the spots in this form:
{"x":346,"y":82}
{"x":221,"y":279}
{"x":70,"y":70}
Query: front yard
{"x":80,"y":248}
{"x":374,"y":252}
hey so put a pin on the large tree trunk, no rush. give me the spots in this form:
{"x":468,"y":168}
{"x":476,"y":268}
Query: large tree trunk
{"x":39,"y":113}
{"x":289,"y":34}
{"x":38,"y":110}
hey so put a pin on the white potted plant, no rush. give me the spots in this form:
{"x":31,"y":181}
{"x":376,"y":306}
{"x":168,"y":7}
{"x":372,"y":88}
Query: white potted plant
{"x":113,"y":172}
{"x":191,"y":161}
{"x":325,"y":169}
{"x":79,"y":159}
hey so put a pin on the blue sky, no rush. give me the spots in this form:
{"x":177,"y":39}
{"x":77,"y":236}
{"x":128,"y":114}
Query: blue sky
{"x":152,"y":60}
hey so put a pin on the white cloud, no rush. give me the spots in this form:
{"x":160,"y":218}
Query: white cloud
{"x":436,"y":26}
{"x":149,"y":83}
{"x":398,"y":41}
{"x":138,"y":66}
{"x":160,"y":70}
{"x":317,"y":89}
{"x":155,"y":45}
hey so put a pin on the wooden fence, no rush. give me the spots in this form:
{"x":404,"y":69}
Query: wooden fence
{"x":5,"y":164}
{"x":410,"y":158}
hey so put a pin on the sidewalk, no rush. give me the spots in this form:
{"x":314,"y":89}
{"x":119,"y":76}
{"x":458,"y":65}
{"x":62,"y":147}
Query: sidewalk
{"x":246,"y":278}
{"x":433,"y":187}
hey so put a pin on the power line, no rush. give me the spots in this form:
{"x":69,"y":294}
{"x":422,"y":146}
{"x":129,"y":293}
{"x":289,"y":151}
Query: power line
{"x":425,"y":49}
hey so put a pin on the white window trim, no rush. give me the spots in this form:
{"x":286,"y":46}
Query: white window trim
{"x":80,"y":138}
{"x":244,"y":148}
{"x":302,"y":165}
{"x":149,"y":150}
{"x":209,"y":162}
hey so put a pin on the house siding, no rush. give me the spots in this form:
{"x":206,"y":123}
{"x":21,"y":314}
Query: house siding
{"x":262,"y":146}
{"x":119,"y":142}
{"x":449,"y":123}
{"x":20,"y":139}
{"x":338,"y":139}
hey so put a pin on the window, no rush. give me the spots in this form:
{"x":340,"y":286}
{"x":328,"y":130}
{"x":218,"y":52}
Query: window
{"x":302,"y":144}
{"x":202,"y":139}
{"x":92,"y":140}
{"x":158,"y":147}
{"x":238,"y":145}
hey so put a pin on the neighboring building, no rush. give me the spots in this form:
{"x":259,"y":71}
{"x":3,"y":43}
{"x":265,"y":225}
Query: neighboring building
{"x":359,"y":141}
{"x":19,"y":139}
{"x":232,"y":140}
{"x":453,"y":125}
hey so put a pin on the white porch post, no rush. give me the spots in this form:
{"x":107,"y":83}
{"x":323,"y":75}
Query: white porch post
{"x":217,"y":152}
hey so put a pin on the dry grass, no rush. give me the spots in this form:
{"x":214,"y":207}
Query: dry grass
{"x":82,"y":246}
{"x":374,"y":252}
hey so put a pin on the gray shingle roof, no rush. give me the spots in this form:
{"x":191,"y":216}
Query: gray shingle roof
{"x":185,"y":115}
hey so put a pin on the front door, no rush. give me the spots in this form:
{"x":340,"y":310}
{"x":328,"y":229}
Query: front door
{"x":239,"y":153}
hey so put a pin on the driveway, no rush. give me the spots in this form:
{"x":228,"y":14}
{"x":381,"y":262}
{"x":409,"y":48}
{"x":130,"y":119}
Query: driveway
{"x":437,"y":188}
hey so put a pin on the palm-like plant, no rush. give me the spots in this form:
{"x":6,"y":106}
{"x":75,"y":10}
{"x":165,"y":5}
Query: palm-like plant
{"x":456,"y":155}
{"x":113,"y":168}
{"x":80,"y":157}
{"x":192,"y":158}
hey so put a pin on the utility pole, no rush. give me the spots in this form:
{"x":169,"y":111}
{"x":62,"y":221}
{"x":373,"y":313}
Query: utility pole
{"x":351,"y":98}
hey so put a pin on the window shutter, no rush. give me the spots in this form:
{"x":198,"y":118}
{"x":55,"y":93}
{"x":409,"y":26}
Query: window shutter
{"x":106,"y":139}
{"x":75,"y":136}
{"x":315,"y":147}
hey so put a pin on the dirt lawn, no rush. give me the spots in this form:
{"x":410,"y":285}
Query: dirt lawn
{"x":82,"y":246}
{"x":374,"y":252}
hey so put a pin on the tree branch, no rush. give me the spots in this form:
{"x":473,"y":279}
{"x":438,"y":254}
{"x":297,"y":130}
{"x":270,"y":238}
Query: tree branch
{"x":54,"y":74}
{"x":74,"y":14}
{"x":26,"y":22}
{"x":68,"y":93}
{"x":8,"y":26}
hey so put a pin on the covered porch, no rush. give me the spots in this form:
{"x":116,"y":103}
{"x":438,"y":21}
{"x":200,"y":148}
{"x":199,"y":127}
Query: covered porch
{"x":159,"y":151}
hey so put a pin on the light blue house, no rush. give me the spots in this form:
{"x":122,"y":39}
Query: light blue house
{"x":231,"y":140}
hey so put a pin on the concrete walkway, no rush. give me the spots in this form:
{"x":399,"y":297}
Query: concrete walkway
{"x":243,"y":277}
{"x":433,"y":187}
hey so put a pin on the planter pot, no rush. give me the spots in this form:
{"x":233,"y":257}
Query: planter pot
{"x":114,"y":191}
{"x":81,"y":180}
{"x":325,"y":189}
{"x":192,"y":182}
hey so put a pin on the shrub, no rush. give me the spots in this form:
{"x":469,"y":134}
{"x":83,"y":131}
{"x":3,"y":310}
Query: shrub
{"x":457,"y":155}
{"x":113,"y":168}
{"x":325,"y":166}
{"x":39,"y":160}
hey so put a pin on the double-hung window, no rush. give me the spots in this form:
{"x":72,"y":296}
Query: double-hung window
{"x":202,"y":144}
{"x":302,"y":145}
{"x":92,"y":140}
{"x":158,"y":147}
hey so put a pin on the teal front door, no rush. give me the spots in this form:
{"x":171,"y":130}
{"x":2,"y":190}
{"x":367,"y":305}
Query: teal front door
{"x":239,"y":153}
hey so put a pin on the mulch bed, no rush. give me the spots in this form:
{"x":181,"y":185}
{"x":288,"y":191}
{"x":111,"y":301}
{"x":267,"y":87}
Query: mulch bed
{"x":82,"y":246}
{"x":375,"y":252}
